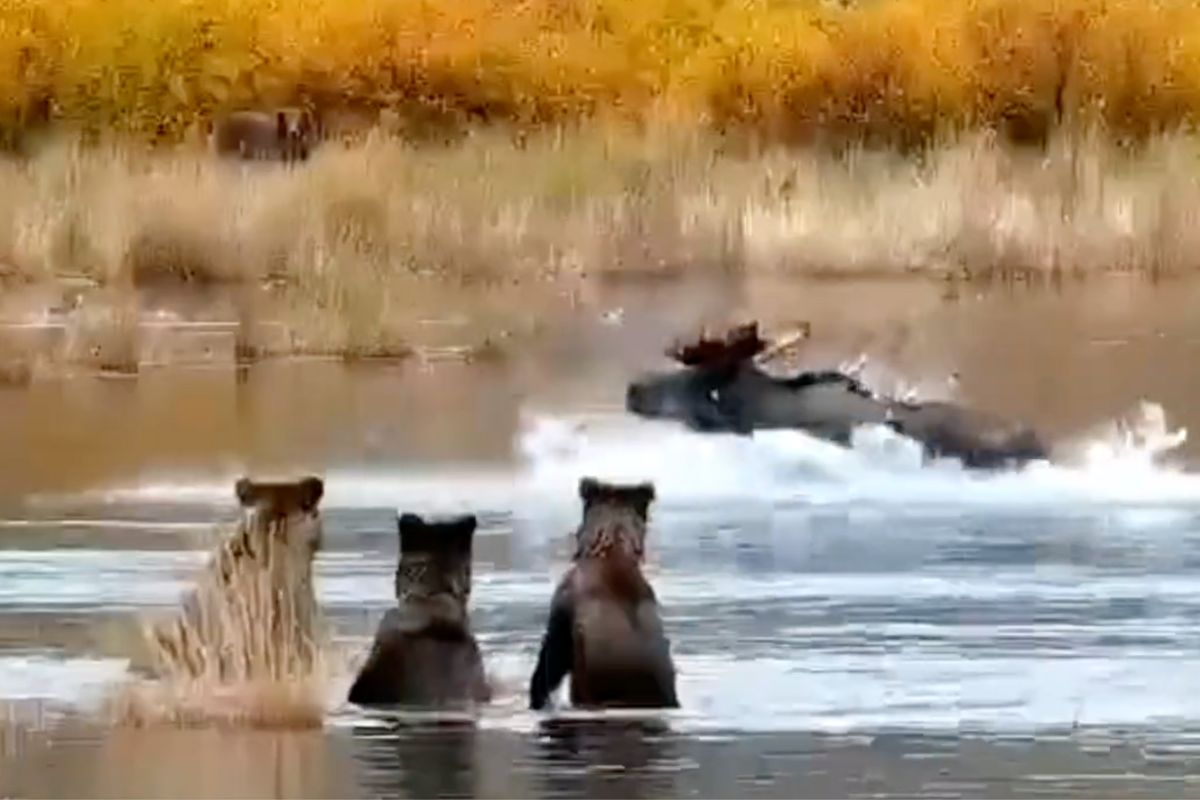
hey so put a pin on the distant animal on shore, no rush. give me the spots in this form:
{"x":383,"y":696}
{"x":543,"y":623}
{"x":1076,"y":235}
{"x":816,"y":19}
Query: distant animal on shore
{"x":604,"y":628}
{"x":253,"y":613}
{"x":287,"y":135}
{"x":425,"y":652}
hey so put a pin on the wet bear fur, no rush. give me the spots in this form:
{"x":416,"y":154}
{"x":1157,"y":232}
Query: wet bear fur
{"x":604,"y":628}
{"x":425,"y":652}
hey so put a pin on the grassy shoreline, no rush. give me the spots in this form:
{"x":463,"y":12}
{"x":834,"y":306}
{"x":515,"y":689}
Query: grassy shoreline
{"x":360,"y":243}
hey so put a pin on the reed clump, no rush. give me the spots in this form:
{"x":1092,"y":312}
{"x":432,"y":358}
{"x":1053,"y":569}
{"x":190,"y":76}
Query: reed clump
{"x":245,"y":652}
{"x":257,"y":705}
{"x":899,"y":71}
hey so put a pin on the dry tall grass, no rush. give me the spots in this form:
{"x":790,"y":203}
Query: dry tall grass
{"x":897,"y":70}
{"x":247,"y":651}
{"x":340,"y":234}
{"x":361,"y":244}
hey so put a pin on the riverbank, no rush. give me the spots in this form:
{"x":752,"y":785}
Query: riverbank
{"x":382,"y":250}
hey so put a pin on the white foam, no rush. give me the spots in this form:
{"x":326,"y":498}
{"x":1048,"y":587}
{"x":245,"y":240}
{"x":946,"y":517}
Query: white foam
{"x":842,"y":693}
{"x":1125,"y":464}
{"x":123,"y":579}
{"x":81,"y":681}
{"x":810,"y":673}
{"x":445,"y":491}
{"x":824,"y":692}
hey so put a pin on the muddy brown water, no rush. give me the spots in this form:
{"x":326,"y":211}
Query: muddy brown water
{"x":614,"y":762}
{"x":76,"y":565}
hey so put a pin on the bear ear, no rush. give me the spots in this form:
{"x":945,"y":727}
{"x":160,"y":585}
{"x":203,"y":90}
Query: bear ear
{"x":414,"y":534}
{"x":644,"y":492}
{"x":465,"y":524}
{"x":460,"y":532}
{"x":246,"y":492}
{"x":312,"y":489}
{"x":418,"y":535}
{"x":640,"y":496}
{"x":589,"y":489}
{"x":408,"y":523}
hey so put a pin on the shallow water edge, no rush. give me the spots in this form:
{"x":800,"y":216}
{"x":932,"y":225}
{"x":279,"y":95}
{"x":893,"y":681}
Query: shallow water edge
{"x":612,"y":759}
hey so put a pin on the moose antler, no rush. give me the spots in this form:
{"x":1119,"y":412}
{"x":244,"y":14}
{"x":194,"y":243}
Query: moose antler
{"x":702,"y":351}
{"x":739,"y":344}
{"x":784,"y":343}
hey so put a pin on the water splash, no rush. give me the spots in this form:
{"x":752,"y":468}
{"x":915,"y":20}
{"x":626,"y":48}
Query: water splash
{"x":1126,"y":464}
{"x":1140,"y":438}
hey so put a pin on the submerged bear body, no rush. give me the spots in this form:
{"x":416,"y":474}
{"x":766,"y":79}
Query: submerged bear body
{"x":425,"y":652}
{"x":604,"y":627}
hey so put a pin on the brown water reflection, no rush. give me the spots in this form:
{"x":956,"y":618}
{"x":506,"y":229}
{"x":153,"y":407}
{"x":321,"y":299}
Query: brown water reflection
{"x":616,"y":759}
{"x":1065,"y":360}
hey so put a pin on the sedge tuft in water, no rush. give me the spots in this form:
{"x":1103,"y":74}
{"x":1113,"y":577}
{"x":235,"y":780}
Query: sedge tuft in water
{"x":244,"y":649}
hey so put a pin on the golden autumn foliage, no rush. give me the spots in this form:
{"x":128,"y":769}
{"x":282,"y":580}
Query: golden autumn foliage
{"x":896,"y":69}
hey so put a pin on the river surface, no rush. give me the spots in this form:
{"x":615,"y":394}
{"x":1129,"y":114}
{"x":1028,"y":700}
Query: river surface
{"x":845,"y":623}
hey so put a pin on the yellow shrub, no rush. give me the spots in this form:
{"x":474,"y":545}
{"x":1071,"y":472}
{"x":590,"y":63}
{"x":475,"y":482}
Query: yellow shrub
{"x":896,"y":70}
